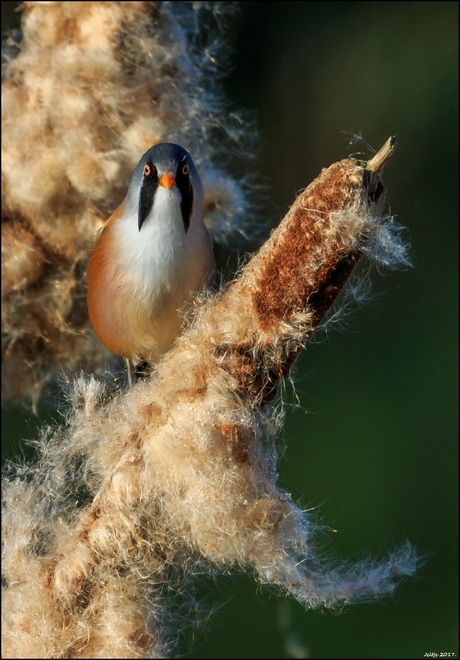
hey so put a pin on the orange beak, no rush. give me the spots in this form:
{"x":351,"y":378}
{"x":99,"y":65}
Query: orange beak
{"x":167,"y":180}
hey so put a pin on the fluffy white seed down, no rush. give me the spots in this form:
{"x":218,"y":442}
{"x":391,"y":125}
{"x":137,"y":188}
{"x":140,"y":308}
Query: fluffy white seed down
{"x":141,"y":491}
{"x":92,"y":87}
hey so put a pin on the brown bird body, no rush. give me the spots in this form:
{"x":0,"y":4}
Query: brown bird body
{"x":150,"y":257}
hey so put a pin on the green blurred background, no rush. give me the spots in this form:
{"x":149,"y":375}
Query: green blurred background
{"x":374,"y":444}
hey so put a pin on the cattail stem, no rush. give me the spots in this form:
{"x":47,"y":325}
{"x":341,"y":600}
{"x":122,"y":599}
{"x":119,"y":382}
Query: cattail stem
{"x":376,"y":163}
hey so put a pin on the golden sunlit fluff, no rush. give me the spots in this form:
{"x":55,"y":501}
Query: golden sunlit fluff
{"x":86,"y":91}
{"x":142,"y":490}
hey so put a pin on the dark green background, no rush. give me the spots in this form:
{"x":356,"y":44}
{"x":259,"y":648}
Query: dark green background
{"x":374,"y":444}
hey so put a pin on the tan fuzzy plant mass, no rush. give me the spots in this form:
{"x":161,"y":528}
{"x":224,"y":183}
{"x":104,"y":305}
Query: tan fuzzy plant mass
{"x":142,"y":490}
{"x":91,"y":87}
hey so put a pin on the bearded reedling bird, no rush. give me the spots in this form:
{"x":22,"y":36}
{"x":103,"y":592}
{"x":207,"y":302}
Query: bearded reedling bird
{"x":150,"y":256}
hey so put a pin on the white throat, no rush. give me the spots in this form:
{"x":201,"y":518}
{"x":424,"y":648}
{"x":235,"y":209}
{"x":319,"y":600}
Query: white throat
{"x":161,"y":260}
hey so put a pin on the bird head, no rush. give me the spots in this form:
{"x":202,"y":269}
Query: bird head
{"x":166,"y":167}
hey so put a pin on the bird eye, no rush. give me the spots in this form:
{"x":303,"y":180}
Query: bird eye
{"x":185,"y":169}
{"x":147,"y":170}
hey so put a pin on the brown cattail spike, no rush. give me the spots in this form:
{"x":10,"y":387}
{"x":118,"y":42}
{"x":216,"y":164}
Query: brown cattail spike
{"x":177,"y":477}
